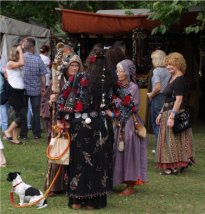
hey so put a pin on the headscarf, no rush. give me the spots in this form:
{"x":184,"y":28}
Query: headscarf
{"x":75,"y":58}
{"x":129,"y":68}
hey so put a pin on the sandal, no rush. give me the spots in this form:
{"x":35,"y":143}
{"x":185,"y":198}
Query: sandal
{"x":127,"y":191}
{"x":7,"y":138}
{"x":169,"y":172}
{"x":76,"y":206}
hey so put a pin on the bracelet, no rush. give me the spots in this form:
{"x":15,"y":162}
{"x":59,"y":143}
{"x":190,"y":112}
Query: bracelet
{"x":174,"y":112}
{"x":113,"y":115}
{"x":171,"y":118}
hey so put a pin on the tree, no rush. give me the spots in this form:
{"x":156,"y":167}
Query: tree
{"x":169,"y":13}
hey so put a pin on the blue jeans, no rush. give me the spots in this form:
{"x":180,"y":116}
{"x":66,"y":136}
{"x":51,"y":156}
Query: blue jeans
{"x":4,"y":116}
{"x":156,"y":106}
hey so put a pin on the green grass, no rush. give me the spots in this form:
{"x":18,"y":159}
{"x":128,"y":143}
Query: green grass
{"x":181,"y":194}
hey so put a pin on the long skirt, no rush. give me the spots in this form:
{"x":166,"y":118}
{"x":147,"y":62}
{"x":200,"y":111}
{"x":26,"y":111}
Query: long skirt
{"x":173,"y":150}
{"x":90,"y":168}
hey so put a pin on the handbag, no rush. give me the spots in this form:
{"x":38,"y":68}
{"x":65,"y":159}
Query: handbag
{"x":139,"y":127}
{"x":58,"y":150}
{"x":181,"y":121}
{"x":6,"y":90}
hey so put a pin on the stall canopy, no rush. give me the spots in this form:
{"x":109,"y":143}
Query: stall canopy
{"x":77,"y":22}
{"x":13,"y":30}
{"x":91,"y":23}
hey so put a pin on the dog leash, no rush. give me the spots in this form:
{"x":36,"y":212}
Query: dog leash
{"x":44,"y":196}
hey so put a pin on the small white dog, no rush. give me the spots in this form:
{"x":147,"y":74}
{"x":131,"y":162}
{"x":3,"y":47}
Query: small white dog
{"x":25,"y":192}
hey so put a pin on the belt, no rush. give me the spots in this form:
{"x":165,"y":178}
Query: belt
{"x":92,"y":114}
{"x":168,"y":104}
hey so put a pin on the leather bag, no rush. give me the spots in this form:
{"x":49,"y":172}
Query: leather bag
{"x":181,"y":121}
{"x":139,"y":128}
{"x":58,"y":151}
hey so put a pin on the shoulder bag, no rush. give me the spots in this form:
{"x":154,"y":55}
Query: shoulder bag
{"x":181,"y":121}
{"x":58,"y":151}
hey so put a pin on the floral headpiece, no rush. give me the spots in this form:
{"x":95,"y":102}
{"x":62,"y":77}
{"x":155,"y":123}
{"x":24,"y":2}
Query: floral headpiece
{"x":92,"y":58}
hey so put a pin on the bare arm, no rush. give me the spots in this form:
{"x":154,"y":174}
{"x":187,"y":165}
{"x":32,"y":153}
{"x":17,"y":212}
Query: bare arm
{"x":155,"y":91}
{"x":43,"y":85}
{"x":19,"y":63}
{"x":175,"y":109}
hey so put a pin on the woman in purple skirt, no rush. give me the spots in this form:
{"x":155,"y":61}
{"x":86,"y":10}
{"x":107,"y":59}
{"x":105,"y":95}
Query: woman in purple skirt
{"x":130,"y":156}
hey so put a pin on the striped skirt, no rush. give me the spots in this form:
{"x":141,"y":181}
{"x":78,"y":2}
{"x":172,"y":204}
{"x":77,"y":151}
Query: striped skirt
{"x":173,"y":150}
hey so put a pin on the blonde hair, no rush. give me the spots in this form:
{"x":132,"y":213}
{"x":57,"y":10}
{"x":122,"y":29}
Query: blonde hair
{"x":13,"y":54}
{"x":158,"y":58}
{"x":177,"y":60}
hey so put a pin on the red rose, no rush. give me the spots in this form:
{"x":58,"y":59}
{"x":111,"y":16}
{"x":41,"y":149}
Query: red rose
{"x":117,"y":113}
{"x":84,"y":82}
{"x":66,"y":92}
{"x":119,"y":83}
{"x":92,"y":58}
{"x":126,"y":100}
{"x":78,"y":106}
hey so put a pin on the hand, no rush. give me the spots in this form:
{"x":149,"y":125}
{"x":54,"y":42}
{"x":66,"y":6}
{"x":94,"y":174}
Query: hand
{"x":19,"y":48}
{"x":53,"y":98}
{"x":170,"y":122}
{"x":109,"y":113}
{"x":149,"y":95}
{"x":158,"y":119}
{"x":43,"y":92}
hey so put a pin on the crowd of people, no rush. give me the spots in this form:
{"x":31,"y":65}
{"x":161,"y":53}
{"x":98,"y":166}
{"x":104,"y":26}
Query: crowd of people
{"x":105,"y":148}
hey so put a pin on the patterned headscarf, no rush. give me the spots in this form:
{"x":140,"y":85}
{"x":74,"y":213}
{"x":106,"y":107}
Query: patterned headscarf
{"x":130,"y":69}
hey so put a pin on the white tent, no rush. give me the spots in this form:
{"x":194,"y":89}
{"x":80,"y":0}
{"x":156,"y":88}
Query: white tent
{"x":12,"y":31}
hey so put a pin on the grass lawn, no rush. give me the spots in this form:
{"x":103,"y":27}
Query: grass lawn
{"x":181,"y":194}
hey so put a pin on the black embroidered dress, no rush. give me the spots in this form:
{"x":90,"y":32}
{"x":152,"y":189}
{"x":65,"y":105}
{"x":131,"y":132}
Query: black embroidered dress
{"x":90,"y":168}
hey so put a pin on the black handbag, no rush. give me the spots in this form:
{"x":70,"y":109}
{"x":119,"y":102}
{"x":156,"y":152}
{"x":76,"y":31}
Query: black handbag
{"x":181,"y":122}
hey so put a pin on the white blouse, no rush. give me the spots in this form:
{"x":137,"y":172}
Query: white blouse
{"x":15,"y":78}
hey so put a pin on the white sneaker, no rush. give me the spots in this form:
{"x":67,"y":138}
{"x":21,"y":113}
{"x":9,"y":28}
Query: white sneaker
{"x":153,"y":151}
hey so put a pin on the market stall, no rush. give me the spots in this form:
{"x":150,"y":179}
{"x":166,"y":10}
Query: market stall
{"x":88,"y":28}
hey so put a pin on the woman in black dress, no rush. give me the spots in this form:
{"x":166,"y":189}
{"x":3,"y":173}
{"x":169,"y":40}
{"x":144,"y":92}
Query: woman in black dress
{"x":90,"y":167}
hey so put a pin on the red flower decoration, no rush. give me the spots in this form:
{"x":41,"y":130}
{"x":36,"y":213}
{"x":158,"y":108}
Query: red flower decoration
{"x":78,"y":106}
{"x":118,"y":83}
{"x":84,"y":82}
{"x":66,"y":92}
{"x":117,"y":113}
{"x":92,"y":58}
{"x":126,"y":100}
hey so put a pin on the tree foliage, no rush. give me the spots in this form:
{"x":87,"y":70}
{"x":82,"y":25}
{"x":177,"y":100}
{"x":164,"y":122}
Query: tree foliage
{"x":43,"y":12}
{"x":169,"y":13}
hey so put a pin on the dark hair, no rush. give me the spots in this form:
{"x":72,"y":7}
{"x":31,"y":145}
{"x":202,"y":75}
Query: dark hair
{"x":96,"y":71}
{"x":44,"y":49}
{"x":113,"y":56}
{"x":29,"y":43}
{"x":119,"y":44}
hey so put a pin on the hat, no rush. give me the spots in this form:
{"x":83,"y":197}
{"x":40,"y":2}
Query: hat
{"x":75,"y":58}
{"x":129,"y":68}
